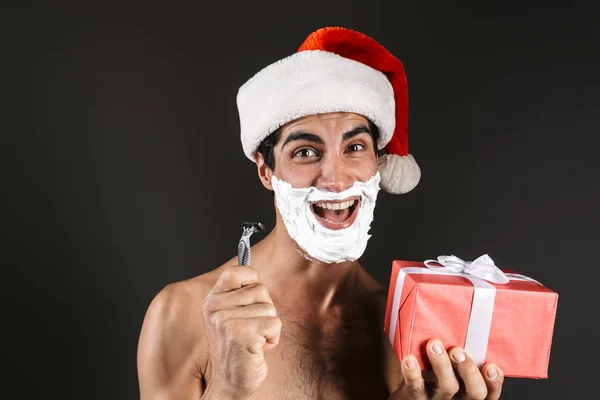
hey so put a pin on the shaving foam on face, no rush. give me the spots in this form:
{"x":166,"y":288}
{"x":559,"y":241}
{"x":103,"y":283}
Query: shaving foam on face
{"x":323,"y":244}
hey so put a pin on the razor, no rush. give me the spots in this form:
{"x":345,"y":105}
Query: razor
{"x":248,"y":228}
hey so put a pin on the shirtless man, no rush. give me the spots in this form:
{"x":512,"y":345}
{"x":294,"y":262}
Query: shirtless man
{"x":304,"y":320}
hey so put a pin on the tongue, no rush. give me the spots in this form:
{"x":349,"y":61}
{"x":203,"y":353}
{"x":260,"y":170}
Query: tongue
{"x":336,"y":215}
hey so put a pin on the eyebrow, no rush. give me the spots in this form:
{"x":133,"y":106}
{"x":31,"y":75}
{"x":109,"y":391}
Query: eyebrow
{"x":356,"y":131}
{"x":310,"y":137}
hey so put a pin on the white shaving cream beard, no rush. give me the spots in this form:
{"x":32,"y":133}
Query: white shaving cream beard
{"x":323,"y":244}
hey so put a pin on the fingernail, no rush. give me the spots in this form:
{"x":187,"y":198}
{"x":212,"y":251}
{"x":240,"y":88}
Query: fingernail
{"x":437,"y":348}
{"x":492,"y":373}
{"x":410,"y":362}
{"x":458,"y":355}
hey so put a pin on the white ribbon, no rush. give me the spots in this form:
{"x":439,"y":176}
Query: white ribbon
{"x":483,"y":267}
{"x":478,"y":272}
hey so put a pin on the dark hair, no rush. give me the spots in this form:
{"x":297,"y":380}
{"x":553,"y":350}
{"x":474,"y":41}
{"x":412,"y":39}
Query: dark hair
{"x":267,"y":147}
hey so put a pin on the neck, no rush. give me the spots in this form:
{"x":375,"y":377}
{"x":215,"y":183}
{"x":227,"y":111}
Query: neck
{"x":283,"y":265}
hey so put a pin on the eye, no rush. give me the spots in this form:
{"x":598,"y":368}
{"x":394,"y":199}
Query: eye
{"x":305,"y":153}
{"x":356,"y":147}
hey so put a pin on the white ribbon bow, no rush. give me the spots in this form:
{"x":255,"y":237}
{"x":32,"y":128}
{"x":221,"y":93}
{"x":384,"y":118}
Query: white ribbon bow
{"x":483,"y":267}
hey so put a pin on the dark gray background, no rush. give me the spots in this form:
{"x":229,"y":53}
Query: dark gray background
{"x":123,"y":169}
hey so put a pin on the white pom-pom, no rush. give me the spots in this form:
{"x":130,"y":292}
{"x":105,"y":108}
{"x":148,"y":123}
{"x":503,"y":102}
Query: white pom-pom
{"x":399,"y":174}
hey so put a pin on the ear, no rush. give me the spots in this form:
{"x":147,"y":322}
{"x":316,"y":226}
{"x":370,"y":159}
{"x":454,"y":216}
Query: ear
{"x":264,"y":172}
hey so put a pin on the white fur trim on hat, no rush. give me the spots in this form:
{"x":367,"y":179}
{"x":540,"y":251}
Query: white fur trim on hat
{"x":313,"y":82}
{"x":399,"y":174}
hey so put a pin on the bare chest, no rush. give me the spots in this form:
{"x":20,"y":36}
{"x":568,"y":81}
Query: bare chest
{"x":338,"y":357}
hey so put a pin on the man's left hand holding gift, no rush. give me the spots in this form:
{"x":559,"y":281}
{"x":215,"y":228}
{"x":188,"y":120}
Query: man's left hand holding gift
{"x":455,"y":376}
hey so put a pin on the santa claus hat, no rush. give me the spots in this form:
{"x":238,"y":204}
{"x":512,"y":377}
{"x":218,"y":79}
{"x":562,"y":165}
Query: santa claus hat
{"x":335,"y":70}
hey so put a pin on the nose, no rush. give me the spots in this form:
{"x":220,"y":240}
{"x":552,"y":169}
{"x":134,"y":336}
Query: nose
{"x":336,"y":175}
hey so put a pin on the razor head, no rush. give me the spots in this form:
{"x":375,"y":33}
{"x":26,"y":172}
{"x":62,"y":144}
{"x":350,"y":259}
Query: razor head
{"x":252,"y":227}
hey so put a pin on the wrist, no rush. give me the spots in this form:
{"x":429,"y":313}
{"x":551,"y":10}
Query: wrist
{"x":222,"y":392}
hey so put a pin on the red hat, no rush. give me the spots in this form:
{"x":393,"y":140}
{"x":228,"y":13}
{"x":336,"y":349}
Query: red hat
{"x":335,"y":70}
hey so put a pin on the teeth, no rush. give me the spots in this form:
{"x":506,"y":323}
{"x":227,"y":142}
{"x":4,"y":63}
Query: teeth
{"x":335,"y":206}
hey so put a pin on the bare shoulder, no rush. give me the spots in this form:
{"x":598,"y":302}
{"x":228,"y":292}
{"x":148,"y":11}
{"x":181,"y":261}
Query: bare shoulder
{"x":178,"y":303}
{"x":172,"y":353}
{"x":375,"y":292}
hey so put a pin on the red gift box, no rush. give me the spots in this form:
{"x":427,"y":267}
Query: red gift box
{"x":514,"y":331}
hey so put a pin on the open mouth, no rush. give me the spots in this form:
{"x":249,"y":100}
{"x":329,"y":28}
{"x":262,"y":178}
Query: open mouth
{"x":338,"y":214}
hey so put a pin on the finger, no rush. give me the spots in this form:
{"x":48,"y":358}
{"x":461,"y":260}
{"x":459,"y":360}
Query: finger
{"x":494,"y":378}
{"x":447,"y":383}
{"x":234,"y":278}
{"x":261,"y":333}
{"x":414,"y":385}
{"x":255,"y":310}
{"x":249,"y":294}
{"x":475,"y":387}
